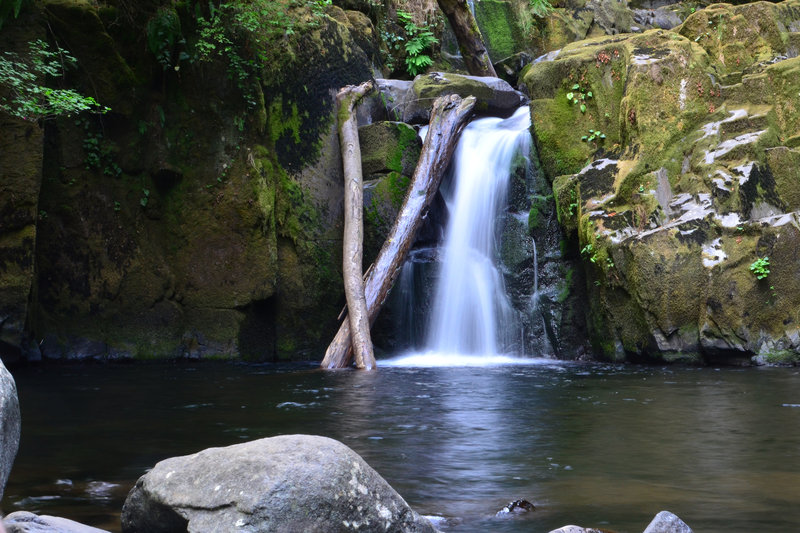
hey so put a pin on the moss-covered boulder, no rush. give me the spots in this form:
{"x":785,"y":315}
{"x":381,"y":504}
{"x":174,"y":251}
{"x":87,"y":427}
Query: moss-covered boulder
{"x":673,"y":161}
{"x":412,"y":102}
{"x":389,"y":147}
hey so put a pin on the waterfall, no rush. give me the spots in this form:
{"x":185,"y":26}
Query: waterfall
{"x":472,"y":313}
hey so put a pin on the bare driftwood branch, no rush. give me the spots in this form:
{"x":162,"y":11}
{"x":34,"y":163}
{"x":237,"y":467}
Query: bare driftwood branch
{"x":449,"y":116}
{"x":357,"y":315}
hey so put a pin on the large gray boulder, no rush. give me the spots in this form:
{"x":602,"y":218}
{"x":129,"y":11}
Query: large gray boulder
{"x":291,"y":483}
{"x":9,"y":425}
{"x":25,"y":522}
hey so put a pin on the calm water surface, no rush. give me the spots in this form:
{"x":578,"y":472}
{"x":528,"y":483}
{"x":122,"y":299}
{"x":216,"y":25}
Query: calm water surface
{"x":595,"y":445}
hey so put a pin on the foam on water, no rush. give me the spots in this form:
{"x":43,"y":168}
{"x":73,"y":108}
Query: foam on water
{"x":445,"y":359}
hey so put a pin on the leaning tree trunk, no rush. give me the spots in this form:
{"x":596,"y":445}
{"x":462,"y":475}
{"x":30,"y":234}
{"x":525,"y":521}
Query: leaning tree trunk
{"x":468,"y":35}
{"x":448,"y":117}
{"x":347,"y":98}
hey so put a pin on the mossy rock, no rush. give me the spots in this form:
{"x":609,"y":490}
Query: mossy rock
{"x":700,"y":181}
{"x":389,"y":147}
{"x":383,"y":198}
{"x":493,"y":95}
{"x":737,"y":37}
{"x":498,"y":24}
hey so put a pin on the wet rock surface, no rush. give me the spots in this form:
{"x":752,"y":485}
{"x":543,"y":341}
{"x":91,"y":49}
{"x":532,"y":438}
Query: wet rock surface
{"x":9,"y":425}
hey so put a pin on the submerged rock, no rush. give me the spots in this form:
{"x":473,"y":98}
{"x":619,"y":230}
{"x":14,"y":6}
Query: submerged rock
{"x":290,"y":483}
{"x":666,"y":522}
{"x":575,"y":529}
{"x":25,"y":522}
{"x":517,"y":506}
{"x":9,"y":425}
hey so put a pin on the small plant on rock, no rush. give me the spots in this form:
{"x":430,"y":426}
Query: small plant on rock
{"x":594,"y":135}
{"x":760,"y":267}
{"x":579,"y":95}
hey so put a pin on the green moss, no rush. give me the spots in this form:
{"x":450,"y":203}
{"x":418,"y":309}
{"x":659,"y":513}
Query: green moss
{"x":498,"y":25}
{"x":566,"y":190}
{"x":540,"y":208}
{"x":283,"y":122}
{"x":565,"y":285}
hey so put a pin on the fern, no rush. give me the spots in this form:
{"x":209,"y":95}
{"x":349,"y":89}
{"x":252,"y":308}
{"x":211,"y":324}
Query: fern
{"x":419,"y":39}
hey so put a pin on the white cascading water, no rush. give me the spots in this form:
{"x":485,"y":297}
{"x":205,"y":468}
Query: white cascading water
{"x":472,"y":313}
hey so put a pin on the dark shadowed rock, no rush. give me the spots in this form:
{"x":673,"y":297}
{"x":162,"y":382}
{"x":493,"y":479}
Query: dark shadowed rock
{"x":25,"y":522}
{"x":291,"y":483}
{"x":517,"y":506}
{"x":9,"y":425}
{"x":666,"y":522}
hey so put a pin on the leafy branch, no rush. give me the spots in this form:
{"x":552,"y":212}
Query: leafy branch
{"x":26,"y":98}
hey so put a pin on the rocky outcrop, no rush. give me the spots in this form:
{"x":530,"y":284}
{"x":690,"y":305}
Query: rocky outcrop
{"x":25,"y":522}
{"x":288,"y":483}
{"x":692,"y":182}
{"x":9,"y":425}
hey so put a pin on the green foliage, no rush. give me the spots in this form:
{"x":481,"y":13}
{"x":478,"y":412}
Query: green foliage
{"x":589,"y":252}
{"x":254,"y":38}
{"x":418,"y":41}
{"x":9,"y":8}
{"x":25,"y":97}
{"x":540,"y":8}
{"x":760,"y":267}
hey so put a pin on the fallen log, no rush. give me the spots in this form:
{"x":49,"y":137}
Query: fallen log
{"x":448,"y":117}
{"x":352,"y":270}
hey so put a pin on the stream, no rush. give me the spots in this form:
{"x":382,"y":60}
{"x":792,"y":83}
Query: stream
{"x":589,"y":444}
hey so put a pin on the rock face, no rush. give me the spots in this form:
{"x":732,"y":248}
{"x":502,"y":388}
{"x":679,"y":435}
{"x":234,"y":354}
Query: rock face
{"x":25,"y":522}
{"x":292,"y":483}
{"x":693,"y":182}
{"x":9,"y":425}
{"x":201,"y":216}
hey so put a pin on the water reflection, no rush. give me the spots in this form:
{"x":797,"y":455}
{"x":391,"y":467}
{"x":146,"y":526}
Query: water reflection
{"x":597,"y":445}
